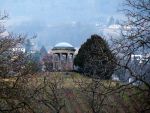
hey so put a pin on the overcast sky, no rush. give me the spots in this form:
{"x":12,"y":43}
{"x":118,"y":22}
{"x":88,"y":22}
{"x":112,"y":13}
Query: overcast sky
{"x":39,"y":14}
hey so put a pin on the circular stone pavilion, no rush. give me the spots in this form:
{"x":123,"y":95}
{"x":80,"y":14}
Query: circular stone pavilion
{"x":63,"y":55}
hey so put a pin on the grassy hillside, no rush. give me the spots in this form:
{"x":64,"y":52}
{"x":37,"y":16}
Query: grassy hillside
{"x":70,"y":93}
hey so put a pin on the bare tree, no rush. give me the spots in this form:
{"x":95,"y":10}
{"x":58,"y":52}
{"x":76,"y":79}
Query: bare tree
{"x":136,"y":40}
{"x":133,"y":51}
{"x":134,"y":92}
{"x":12,"y":71}
{"x":21,"y":90}
{"x":52,"y":93}
{"x":96,"y":94}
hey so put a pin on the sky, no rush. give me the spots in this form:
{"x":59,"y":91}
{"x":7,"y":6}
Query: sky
{"x":54,"y":21}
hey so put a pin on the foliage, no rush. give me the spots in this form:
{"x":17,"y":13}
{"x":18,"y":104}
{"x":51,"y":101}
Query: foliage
{"x":95,"y":58}
{"x":48,"y":62}
{"x":10,"y":60}
{"x":33,"y":62}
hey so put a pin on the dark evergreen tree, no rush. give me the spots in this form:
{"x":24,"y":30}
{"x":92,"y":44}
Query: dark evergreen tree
{"x":95,"y":58}
{"x":43,"y":52}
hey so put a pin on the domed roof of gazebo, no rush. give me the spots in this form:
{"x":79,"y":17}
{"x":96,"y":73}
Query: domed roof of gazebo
{"x":63,"y":46}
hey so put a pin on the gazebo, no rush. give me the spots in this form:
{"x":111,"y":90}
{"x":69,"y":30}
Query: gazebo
{"x":63,"y":55}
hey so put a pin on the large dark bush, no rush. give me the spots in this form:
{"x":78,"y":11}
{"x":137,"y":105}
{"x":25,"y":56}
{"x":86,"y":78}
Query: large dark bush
{"x":95,"y":58}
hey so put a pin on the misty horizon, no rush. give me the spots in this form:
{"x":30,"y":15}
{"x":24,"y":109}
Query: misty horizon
{"x":56,"y":21}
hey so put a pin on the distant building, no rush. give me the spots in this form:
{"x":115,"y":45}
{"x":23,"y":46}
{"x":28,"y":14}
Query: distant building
{"x":27,"y":47}
{"x":139,"y":64}
{"x":140,"y":58}
{"x":18,"y":49}
{"x":115,"y":77}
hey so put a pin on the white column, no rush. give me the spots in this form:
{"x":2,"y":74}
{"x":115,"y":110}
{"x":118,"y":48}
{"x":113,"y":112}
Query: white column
{"x":60,"y":59}
{"x":54,"y":67}
{"x":68,"y":58}
{"x":72,"y":58}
